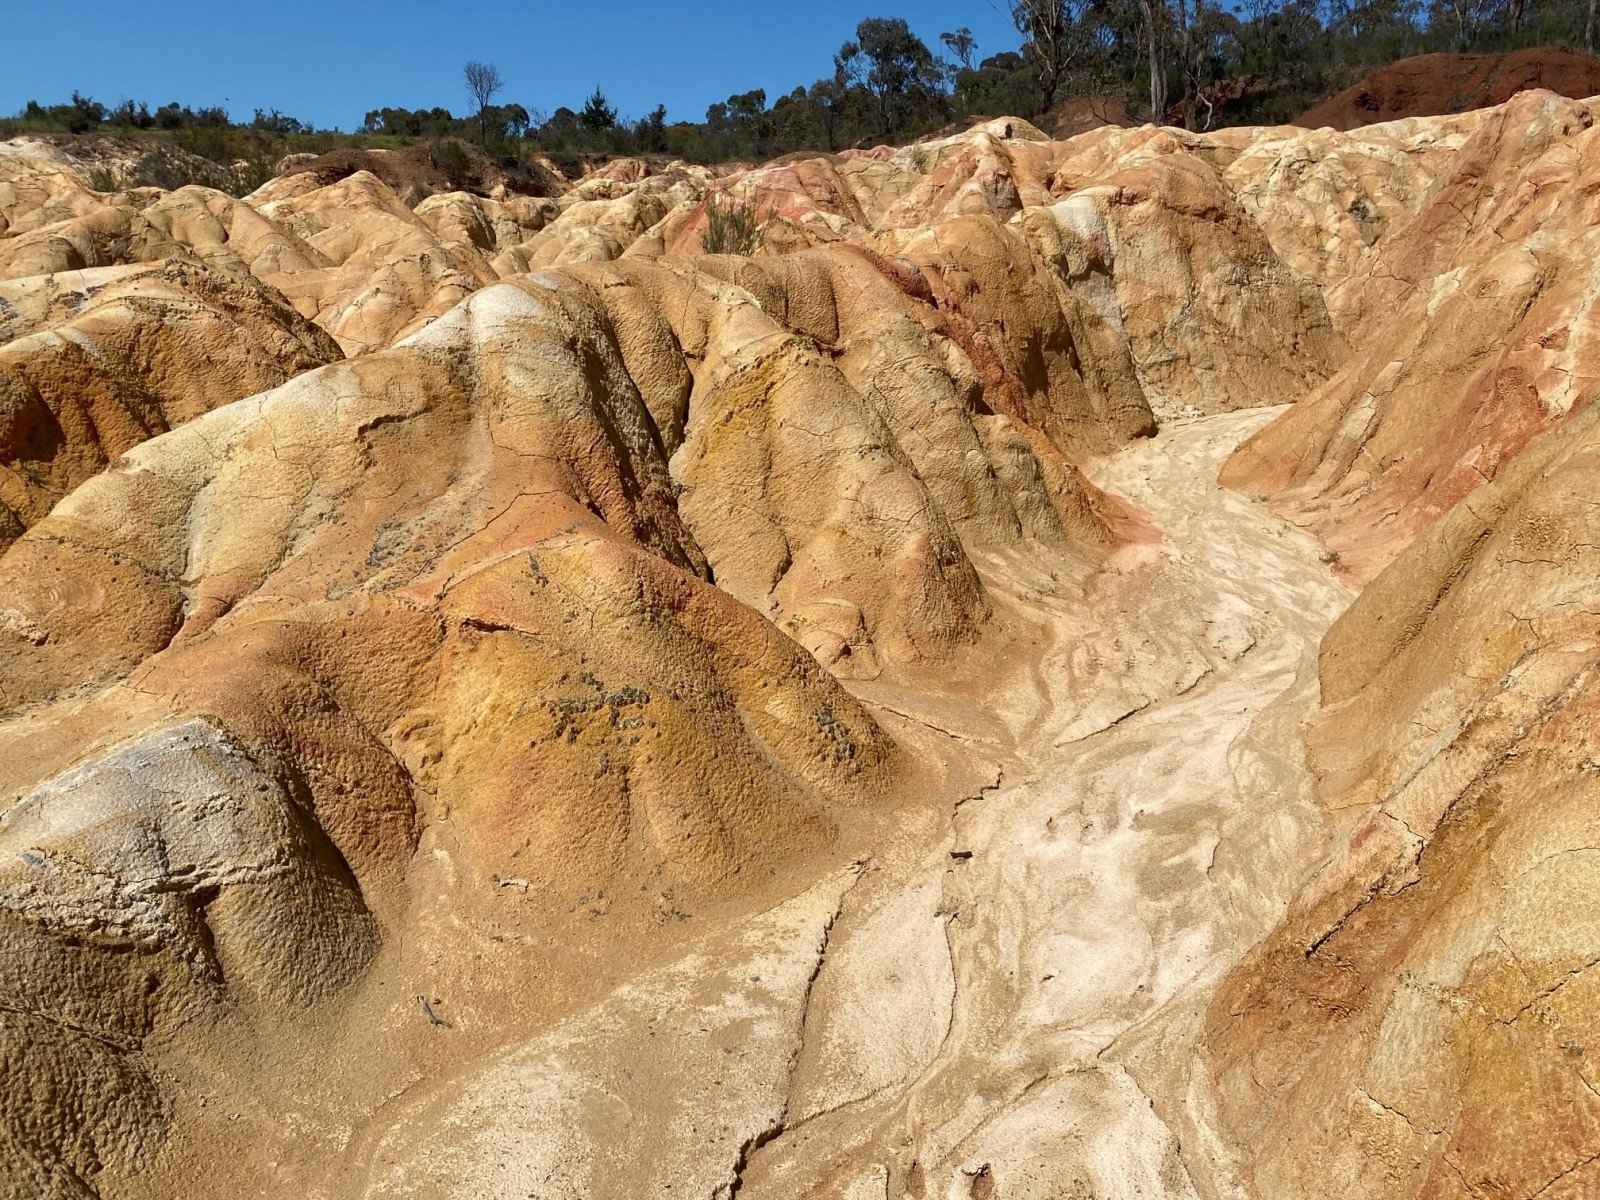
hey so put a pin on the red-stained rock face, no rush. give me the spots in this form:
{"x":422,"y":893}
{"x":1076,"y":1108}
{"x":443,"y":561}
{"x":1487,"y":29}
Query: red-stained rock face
{"x":1481,"y":304}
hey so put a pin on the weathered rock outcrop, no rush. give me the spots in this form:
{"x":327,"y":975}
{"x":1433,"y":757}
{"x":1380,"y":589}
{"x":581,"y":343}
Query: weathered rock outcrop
{"x":39,"y":185}
{"x":94,"y":362}
{"x":385,"y":741}
{"x":331,"y":642}
{"x":1326,"y":200}
{"x":1214,"y":319}
{"x":462,"y":587}
{"x":1473,"y":331}
{"x":1165,"y":253}
{"x":1423,"y":1022}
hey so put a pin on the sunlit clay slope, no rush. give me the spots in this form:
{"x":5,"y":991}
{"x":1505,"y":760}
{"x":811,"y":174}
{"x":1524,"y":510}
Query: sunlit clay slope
{"x":1474,"y":327}
{"x":1422,"y":1023}
{"x":93,"y":362}
{"x":498,"y":701}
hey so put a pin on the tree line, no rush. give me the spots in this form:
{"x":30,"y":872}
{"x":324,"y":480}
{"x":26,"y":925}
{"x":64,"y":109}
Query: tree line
{"x":1198,"y":63}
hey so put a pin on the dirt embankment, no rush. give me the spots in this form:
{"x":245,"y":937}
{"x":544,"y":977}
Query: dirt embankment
{"x":1431,"y":85}
{"x":425,"y":170}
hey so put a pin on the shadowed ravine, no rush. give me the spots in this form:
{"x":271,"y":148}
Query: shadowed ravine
{"x":1013,"y":998}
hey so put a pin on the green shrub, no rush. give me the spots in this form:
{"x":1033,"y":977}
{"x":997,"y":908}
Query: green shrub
{"x":159,"y":169}
{"x":217,"y":143}
{"x":248,"y":176}
{"x":732,"y":226}
{"x":450,"y":157}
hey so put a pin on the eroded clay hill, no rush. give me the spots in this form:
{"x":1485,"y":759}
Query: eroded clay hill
{"x":1437,"y":969}
{"x":495,"y":700}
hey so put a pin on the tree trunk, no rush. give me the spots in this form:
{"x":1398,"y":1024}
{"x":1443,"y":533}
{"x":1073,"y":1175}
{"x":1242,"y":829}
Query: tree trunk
{"x":1186,"y":60}
{"x":1051,"y":80}
{"x":1588,"y":29}
{"x":1052,"y":60}
{"x":1158,"y":75}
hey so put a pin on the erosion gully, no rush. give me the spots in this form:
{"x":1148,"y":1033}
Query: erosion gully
{"x":1007,"y":1003}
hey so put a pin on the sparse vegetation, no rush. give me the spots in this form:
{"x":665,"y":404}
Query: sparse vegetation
{"x":483,"y":82}
{"x":1259,"y":61}
{"x":164,"y":166}
{"x":733,"y":226}
{"x":451,"y":159}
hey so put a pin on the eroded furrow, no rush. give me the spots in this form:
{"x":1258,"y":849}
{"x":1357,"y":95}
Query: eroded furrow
{"x":1089,"y":909}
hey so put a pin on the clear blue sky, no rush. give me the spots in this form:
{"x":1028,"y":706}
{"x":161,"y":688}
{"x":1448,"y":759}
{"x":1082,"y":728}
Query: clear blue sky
{"x":328,"y":62}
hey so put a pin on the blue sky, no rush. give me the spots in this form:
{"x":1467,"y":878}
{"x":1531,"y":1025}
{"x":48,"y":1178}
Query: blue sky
{"x":330,"y":62}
